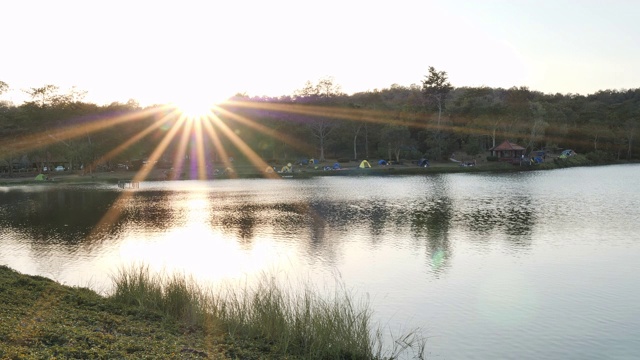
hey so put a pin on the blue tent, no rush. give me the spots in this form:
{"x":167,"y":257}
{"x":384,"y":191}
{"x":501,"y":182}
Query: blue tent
{"x":336,"y":166}
{"x":423,"y":162}
{"x":383,"y":162}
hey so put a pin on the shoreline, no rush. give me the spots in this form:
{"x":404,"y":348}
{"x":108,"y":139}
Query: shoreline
{"x":306,"y":172}
{"x":170,"y":317}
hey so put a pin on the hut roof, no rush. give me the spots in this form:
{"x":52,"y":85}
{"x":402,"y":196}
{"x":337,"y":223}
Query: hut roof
{"x":507,"y":145}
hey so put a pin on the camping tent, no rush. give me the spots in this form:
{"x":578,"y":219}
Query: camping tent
{"x":364,"y":164}
{"x":383,"y":162}
{"x":40,"y":177}
{"x":336,"y":166}
{"x":287,"y":168}
{"x":423,"y":162}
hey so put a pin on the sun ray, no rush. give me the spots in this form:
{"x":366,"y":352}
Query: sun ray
{"x":298,"y":145}
{"x":372,"y":116}
{"x":45,"y":138}
{"x":217,"y":144}
{"x":113,"y":213}
{"x":139,"y":136}
{"x":179,"y":157}
{"x":159,"y":150}
{"x":200,"y":155}
{"x":414,"y":120}
{"x":253,"y":157}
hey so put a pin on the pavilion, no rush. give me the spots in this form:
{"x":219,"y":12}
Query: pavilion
{"x":508,"y":152}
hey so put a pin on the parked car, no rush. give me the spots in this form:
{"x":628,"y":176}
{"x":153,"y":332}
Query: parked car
{"x":59,"y":168}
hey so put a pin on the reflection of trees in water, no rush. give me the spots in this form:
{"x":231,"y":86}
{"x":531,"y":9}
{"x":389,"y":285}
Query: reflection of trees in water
{"x":288,"y":218}
{"x":311,"y":223}
{"x":317,"y":223}
{"x":55,"y":216}
{"x":151,"y":210}
{"x":431,"y":220}
{"x":370,"y":214}
{"x":379,"y":219}
{"x":241,"y":221}
{"x":514,"y":216}
{"x":67,"y":216}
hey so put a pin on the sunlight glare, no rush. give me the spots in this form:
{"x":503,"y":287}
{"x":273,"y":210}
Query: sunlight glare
{"x":194,"y":108}
{"x":196,"y":104}
{"x":194,"y":247}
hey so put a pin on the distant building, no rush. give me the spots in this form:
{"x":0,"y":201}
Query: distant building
{"x":508,"y":152}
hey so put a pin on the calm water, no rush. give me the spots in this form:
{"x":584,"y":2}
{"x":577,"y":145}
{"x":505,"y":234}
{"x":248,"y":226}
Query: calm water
{"x":522,"y":266}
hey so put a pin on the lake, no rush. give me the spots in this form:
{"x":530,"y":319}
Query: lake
{"x":521,"y":265}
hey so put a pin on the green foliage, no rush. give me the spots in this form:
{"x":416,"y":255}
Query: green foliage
{"x":473,"y":147}
{"x":288,"y":322}
{"x":40,"y":319}
{"x":4,"y":87}
{"x":320,"y":121}
{"x":570,"y":161}
{"x":436,"y":85}
{"x":600,"y":157}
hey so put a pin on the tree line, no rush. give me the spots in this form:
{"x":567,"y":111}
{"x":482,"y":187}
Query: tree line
{"x":431,"y":119}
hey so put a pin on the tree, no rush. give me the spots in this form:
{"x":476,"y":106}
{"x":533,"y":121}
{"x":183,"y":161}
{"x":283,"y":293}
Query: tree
{"x":44,"y":95}
{"x":435,"y":88}
{"x":327,"y":88}
{"x":397,"y":138}
{"x":538,"y":127}
{"x":325,"y":92}
{"x":4,"y":87}
{"x":308,"y":90}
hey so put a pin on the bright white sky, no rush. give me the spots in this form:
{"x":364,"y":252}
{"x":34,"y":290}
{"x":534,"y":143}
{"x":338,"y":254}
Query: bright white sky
{"x":163,"y":51}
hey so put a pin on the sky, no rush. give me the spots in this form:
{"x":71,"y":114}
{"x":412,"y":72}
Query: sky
{"x":172,"y":51}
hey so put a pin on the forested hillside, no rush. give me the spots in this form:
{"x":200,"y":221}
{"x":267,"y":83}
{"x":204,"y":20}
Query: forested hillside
{"x":430,"y":120}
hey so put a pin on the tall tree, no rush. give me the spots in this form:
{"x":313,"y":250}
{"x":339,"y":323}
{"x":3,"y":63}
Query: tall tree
{"x":396,"y":138}
{"x":325,"y":92}
{"x":436,"y":88}
{"x":44,"y":95}
{"x":538,"y":126}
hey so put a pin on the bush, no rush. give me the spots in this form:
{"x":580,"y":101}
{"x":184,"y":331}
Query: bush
{"x":576,"y":160}
{"x":492,"y":158}
{"x":473,"y":147}
{"x":600,"y":157}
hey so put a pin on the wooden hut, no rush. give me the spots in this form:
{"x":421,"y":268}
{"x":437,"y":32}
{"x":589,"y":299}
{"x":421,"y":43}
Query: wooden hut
{"x":508,"y":152}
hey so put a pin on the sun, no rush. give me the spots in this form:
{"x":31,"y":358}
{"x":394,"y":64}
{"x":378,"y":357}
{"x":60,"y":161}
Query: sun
{"x":196,"y":105}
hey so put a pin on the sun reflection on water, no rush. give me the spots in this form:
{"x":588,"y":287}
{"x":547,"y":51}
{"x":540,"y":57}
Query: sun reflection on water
{"x":196,"y":248}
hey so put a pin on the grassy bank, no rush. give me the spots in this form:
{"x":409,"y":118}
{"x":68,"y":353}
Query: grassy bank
{"x":155,"y":316}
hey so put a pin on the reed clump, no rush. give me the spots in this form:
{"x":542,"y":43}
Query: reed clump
{"x":287,"y":320}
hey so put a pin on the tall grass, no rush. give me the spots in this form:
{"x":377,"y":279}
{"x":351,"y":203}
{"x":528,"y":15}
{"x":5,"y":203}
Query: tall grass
{"x":297,"y":322}
{"x":176,"y":296}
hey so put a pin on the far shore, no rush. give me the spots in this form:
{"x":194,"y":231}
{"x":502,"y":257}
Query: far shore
{"x":298,"y":171}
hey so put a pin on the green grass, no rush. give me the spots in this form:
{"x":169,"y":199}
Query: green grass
{"x":41,"y":319}
{"x":298,"y":323}
{"x":155,"y":316}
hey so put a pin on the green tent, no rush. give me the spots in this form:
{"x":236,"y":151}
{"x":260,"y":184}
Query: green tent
{"x":40,"y":177}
